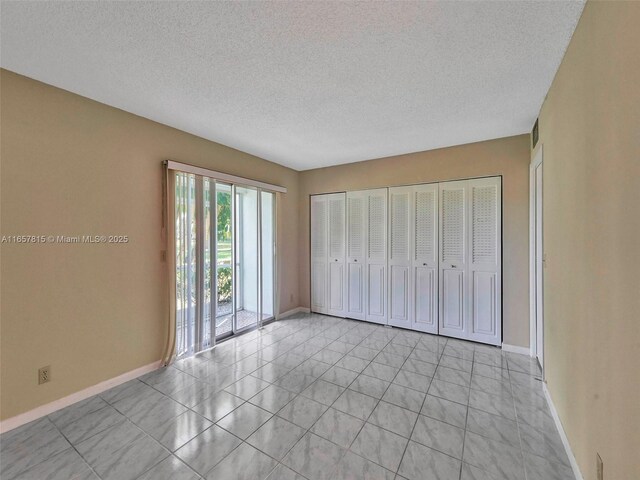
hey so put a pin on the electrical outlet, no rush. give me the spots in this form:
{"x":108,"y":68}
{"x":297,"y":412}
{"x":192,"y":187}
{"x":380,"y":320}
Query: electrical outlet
{"x":44,"y":375}
{"x":599,"y":467}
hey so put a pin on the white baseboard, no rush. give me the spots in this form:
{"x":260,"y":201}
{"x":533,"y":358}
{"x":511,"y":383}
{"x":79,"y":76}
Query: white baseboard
{"x":563,"y":435}
{"x":43,"y":410}
{"x":293,"y":311}
{"x":516,"y":349}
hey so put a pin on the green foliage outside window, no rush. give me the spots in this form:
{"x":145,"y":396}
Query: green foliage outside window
{"x":224,"y":284}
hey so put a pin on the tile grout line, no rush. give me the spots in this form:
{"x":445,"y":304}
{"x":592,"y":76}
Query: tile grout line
{"x":242,"y":441}
{"x":278,"y":462}
{"x":524,"y":467}
{"x":466,"y":419}
{"x":172,"y":453}
{"x":239,"y":353}
{"x":377,"y":400}
{"x":345,"y":388}
{"x":421,"y":406}
{"x":331,"y":406}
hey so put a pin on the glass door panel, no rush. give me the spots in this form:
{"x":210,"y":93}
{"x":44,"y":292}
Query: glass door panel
{"x":267,"y":233}
{"x":246,"y":257}
{"x":208,"y":262}
{"x":224,"y":260}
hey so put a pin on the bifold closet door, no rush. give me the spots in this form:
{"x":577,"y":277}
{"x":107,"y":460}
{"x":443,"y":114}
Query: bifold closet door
{"x":376,"y":256}
{"x":453,"y":258}
{"x":485,"y":278}
{"x":328,"y":254}
{"x":400,"y":234}
{"x":470,"y":260}
{"x":413,"y":257}
{"x":356,"y":259}
{"x":319,"y":253}
{"x":337,"y":250}
{"x":424,"y":259}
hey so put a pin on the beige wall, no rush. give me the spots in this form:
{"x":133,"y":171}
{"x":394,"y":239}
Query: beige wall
{"x":508,"y":157}
{"x":72,"y":166}
{"x":590,"y":132}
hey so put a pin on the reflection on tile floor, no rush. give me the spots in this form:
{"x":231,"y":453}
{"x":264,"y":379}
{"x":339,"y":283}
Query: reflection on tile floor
{"x":309,"y":397}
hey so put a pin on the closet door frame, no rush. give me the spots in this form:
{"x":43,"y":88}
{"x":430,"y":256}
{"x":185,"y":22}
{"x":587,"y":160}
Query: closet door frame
{"x":445,"y":272}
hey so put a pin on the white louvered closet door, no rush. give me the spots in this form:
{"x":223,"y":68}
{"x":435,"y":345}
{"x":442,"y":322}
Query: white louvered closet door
{"x":319,"y":253}
{"x":401,"y":229}
{"x":376,"y":256}
{"x":484,"y":265}
{"x":424,"y":253}
{"x":453,"y":258}
{"x":337,"y":251}
{"x":356,"y":259}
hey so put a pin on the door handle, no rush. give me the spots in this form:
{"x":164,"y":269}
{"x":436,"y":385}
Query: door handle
{"x":454,"y":266}
{"x":424,"y":264}
{"x":355,"y":260}
{"x":336,"y":260}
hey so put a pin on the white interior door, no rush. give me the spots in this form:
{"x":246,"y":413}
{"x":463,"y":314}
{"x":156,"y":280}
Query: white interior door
{"x":484,"y":261}
{"x":376,"y":256}
{"x":319,"y":253}
{"x":453,"y":258}
{"x":337,"y":250}
{"x":401,"y":229}
{"x":539,"y":252}
{"x":356,"y":259}
{"x":424,"y":263}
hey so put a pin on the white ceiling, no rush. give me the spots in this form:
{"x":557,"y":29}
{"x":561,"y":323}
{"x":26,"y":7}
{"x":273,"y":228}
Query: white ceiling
{"x":304,"y":84}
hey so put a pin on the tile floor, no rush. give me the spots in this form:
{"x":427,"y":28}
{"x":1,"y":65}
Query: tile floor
{"x":309,"y":397}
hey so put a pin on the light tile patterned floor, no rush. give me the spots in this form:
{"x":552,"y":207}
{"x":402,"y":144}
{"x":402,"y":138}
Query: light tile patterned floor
{"x":309,"y":397}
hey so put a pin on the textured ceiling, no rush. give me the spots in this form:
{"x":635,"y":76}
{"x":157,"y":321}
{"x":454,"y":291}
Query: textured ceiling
{"x":304,"y":84}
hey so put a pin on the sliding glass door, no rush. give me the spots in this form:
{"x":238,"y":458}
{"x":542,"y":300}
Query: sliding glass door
{"x":225,"y":266}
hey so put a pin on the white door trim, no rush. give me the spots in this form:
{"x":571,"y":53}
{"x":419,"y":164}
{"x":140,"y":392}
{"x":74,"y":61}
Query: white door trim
{"x":535,"y":163}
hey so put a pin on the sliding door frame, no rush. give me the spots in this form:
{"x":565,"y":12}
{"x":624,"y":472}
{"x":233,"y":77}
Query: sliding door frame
{"x":238,"y":258}
{"x":234,"y":256}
